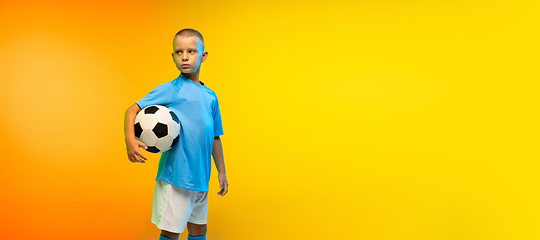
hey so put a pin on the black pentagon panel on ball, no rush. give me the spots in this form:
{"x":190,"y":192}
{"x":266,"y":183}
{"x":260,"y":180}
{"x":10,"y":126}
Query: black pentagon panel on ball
{"x":152,"y":149}
{"x":160,"y":130}
{"x":174,"y":117}
{"x":138,"y":130}
{"x":151,"y":110}
{"x":175,"y":140}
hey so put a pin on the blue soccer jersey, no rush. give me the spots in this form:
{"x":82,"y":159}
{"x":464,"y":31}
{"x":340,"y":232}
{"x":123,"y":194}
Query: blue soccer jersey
{"x":188,"y":163}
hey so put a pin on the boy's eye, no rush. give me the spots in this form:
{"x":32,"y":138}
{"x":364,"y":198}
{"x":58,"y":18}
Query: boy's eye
{"x":191,"y":51}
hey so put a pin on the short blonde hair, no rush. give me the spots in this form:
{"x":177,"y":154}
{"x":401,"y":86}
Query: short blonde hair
{"x":188,"y":32}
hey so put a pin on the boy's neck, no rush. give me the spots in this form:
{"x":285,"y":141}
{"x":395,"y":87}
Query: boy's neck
{"x":193,"y":76}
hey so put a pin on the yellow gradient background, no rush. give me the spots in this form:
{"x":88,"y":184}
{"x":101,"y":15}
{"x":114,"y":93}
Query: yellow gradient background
{"x":380,"y":120}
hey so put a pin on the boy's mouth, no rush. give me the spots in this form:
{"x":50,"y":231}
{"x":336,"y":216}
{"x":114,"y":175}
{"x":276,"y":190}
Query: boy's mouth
{"x":185,"y":65}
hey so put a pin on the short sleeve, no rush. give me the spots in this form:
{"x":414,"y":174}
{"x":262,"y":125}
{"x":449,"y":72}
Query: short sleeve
{"x":218,"y":127}
{"x":161,"y":95}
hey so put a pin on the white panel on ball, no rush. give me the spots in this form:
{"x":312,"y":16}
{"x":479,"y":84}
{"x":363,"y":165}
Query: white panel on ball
{"x":148,"y":122}
{"x":149,"y":138}
{"x":172,"y":128}
{"x":163,"y":115}
{"x":139,"y":116}
{"x":164,"y":142}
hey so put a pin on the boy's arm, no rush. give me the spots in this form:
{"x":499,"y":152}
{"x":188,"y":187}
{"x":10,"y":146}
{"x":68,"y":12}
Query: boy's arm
{"x":217,"y":153}
{"x":129,"y":128}
{"x":132,"y":144}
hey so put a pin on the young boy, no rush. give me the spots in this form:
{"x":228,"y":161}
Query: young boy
{"x":180,"y":196}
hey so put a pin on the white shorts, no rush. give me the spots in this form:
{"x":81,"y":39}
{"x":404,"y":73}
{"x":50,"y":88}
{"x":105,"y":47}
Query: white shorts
{"x":174,"y":206}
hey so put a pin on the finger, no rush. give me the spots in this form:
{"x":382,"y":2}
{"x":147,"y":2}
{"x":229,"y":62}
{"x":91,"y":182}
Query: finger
{"x":143,"y":145}
{"x":224,"y":190}
{"x":142,"y":156}
{"x":141,"y":159}
{"x":135,"y":158}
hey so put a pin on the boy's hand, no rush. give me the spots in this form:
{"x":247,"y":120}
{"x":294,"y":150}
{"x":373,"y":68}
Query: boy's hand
{"x":223,"y":184}
{"x":133,"y":152}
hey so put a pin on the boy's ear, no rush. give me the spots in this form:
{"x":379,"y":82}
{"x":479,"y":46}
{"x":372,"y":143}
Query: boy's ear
{"x":204,"y":56}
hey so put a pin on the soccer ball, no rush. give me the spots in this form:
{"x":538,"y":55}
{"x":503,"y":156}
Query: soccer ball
{"x":158,"y":128}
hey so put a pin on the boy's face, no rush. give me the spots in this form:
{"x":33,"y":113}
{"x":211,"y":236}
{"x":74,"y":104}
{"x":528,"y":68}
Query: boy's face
{"x":188,"y":54}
